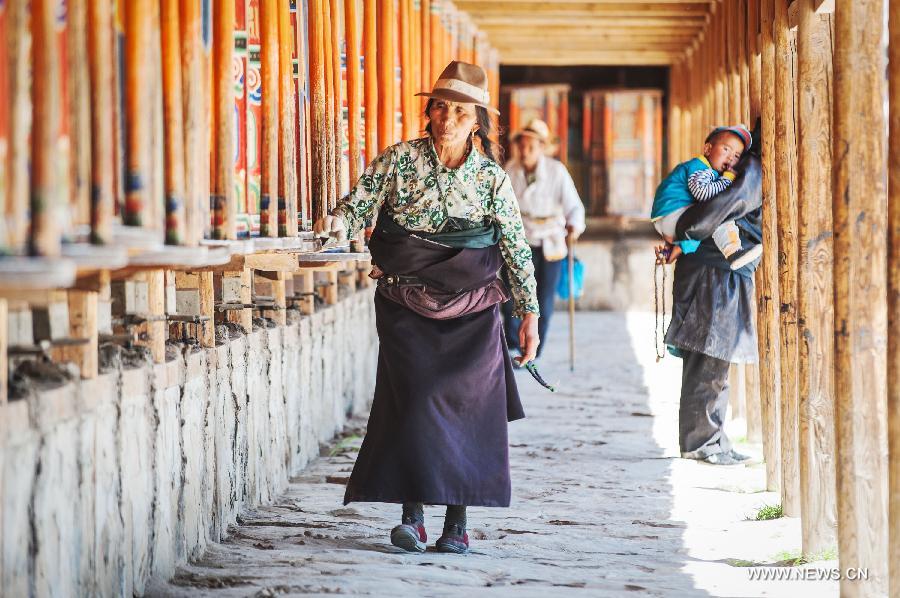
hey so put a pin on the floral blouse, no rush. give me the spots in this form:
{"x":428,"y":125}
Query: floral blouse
{"x":420,"y":194}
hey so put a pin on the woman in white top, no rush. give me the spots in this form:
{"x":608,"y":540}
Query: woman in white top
{"x":550,"y":209}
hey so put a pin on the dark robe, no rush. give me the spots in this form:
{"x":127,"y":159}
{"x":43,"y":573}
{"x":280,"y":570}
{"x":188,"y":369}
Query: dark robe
{"x":713,"y":310}
{"x":444,"y":389}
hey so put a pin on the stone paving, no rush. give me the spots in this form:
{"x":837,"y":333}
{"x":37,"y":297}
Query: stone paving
{"x":601,"y":505}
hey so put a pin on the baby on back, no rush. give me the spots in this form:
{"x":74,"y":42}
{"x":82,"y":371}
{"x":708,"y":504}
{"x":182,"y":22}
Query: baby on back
{"x":698,"y":180}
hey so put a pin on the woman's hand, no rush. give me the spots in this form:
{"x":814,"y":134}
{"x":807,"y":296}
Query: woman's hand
{"x":528,"y":338}
{"x":330,"y":226}
{"x":667,"y":254}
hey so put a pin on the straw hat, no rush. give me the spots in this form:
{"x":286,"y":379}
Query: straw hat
{"x":462,"y":83}
{"x":535,"y":128}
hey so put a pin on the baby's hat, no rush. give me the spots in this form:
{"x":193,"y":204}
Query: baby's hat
{"x":740,"y":130}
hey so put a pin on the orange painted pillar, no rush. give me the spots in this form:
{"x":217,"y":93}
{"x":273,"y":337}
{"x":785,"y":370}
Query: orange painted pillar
{"x":351,"y":34}
{"x":406,"y":69}
{"x":370,"y":74}
{"x":268,"y":213}
{"x":173,"y":114}
{"x":223,"y":200}
{"x":99,"y":18}
{"x":287,"y":120}
{"x":337,"y":103}
{"x":137,"y":107}
{"x":386,"y":18}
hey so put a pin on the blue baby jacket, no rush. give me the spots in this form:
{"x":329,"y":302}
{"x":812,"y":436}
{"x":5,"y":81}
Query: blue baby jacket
{"x":672,"y":194}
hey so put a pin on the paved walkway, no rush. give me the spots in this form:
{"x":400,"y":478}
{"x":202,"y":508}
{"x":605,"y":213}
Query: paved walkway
{"x":601,"y":506}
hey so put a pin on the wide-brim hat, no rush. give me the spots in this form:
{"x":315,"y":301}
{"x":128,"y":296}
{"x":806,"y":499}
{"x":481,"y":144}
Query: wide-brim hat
{"x":535,"y":128}
{"x":462,"y":83}
{"x":740,"y":130}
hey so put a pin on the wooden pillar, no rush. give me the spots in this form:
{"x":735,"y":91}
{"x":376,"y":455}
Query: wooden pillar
{"x":319,"y":131}
{"x":194,"y":96}
{"x":287,"y":121}
{"x":733,"y":44}
{"x":137,"y":109}
{"x":156,"y":325}
{"x":78,"y":99}
{"x":860,"y":280}
{"x":815,"y":305}
{"x":406,"y":73}
{"x":370,"y":75}
{"x":351,"y":35}
{"x":386,"y":18}
{"x":337,"y":103}
{"x":767,"y":276}
{"x":676,"y":72}
{"x":173,"y":106}
{"x":17,"y":190}
{"x":786,"y":190}
{"x":45,"y":182}
{"x":754,"y":60}
{"x":743,"y":63}
{"x":330,"y":114}
{"x":436,"y":37}
{"x":83,"y":325}
{"x":754,"y":415}
{"x":425,"y":57}
{"x":99,"y":19}
{"x":893,"y":366}
{"x":223,"y":199}
{"x":268,"y":212}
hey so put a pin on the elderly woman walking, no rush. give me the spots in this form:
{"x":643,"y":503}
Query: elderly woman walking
{"x":445,"y":388}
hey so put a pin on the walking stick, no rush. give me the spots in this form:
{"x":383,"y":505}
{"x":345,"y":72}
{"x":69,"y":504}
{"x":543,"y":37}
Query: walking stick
{"x":570,"y":241}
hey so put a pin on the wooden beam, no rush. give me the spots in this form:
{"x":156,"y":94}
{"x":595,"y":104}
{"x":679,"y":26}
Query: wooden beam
{"x":769,"y":303}
{"x":860,"y":279}
{"x":564,"y":58}
{"x":194,"y":98}
{"x":45,"y":183}
{"x":269,"y":57}
{"x":386,"y":19}
{"x":287,"y":127}
{"x":351,"y":36}
{"x":505,"y":20}
{"x":173,"y":109}
{"x":223,"y":198}
{"x":319,"y":131}
{"x":893,"y":371}
{"x":370,"y":74}
{"x":102,"y":161}
{"x":337,"y":104}
{"x":20,"y":121}
{"x":815,"y":306}
{"x":786,"y":189}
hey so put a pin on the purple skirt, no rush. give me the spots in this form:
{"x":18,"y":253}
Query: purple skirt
{"x":444,"y":392}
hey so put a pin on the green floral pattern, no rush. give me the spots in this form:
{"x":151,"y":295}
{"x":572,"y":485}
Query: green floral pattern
{"x":420,"y":194}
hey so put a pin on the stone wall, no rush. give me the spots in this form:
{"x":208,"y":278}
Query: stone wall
{"x":107,"y":482}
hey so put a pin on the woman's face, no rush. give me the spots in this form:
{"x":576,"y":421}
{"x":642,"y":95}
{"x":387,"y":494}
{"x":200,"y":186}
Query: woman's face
{"x":452,"y":123}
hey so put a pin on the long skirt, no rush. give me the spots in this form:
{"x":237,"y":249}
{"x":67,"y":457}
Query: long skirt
{"x":444,"y":392}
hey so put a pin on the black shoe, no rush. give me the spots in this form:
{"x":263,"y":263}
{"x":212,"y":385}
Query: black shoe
{"x":744,"y":256}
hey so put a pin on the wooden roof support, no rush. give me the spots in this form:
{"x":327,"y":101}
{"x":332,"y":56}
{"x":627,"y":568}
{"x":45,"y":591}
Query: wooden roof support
{"x":269,"y":56}
{"x":893,"y":371}
{"x":137,"y":110}
{"x":173,"y":107}
{"x":196,"y":136}
{"x":223,"y":199}
{"x":860,"y":279}
{"x":769,"y":300}
{"x":370,"y":74}
{"x":330,"y":113}
{"x":288,"y":191}
{"x":351,"y":35}
{"x":337,"y":103}
{"x":45,"y":184}
{"x":386,"y":19}
{"x":786,"y":189}
{"x":406,"y":97}
{"x":319,"y":130}
{"x":99,"y":19}
{"x":18,"y":44}
{"x":815,"y":305}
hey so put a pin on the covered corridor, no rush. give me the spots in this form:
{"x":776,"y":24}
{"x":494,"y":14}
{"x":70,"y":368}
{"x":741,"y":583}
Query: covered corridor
{"x":175,"y":342}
